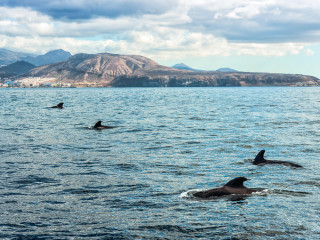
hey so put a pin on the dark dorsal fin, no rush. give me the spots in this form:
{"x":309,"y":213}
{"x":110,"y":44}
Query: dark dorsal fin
{"x":260,"y":157}
{"x":60,"y":105}
{"x":98,"y":124}
{"x":236,"y":183}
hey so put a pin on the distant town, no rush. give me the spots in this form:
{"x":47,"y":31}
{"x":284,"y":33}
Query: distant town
{"x":37,"y":82}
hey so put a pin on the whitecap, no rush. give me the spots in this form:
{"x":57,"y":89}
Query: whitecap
{"x":189,"y":193}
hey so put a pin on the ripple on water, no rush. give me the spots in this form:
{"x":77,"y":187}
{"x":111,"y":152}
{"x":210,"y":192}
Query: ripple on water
{"x":62,"y":180}
{"x":81,"y":191}
{"x":127,"y":167}
{"x":158,"y":147}
{"x":34,"y":179}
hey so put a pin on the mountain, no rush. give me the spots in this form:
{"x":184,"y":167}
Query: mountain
{"x":102,"y":67}
{"x":48,"y":58}
{"x":114,"y":70}
{"x":8,"y":56}
{"x":182,"y":66}
{"x":15,"y":69}
{"x":226,"y":70}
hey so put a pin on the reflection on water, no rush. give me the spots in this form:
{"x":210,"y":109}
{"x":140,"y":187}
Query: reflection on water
{"x":62,"y":180}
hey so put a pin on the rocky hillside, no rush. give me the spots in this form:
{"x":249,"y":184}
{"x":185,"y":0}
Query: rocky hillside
{"x":48,"y":58}
{"x":183,"y":66}
{"x":103,"y":67}
{"x":226,"y":70}
{"x":8,"y":56}
{"x":15,"y":69}
{"x":215,"y":79}
{"x":115,"y":70}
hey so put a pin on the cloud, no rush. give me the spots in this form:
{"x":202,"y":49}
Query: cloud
{"x":22,"y":22}
{"x":249,"y":21}
{"x":267,"y":49}
{"x":162,"y":43}
{"x":84,"y":9}
{"x":309,"y":52}
{"x":258,"y":21}
{"x":161,"y":28}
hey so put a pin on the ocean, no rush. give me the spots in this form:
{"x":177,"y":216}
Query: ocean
{"x":62,"y":179}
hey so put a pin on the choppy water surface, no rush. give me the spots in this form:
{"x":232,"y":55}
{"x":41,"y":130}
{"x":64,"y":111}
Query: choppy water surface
{"x":60,"y":179}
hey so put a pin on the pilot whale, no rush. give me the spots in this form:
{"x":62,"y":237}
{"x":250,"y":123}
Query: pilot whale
{"x":260,"y":160}
{"x":60,"y":105}
{"x":234,"y":186}
{"x":98,"y":126}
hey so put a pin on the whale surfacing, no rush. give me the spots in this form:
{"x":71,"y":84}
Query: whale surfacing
{"x":99,"y":126}
{"x":234,"y":186}
{"x":260,"y":160}
{"x":60,"y":105}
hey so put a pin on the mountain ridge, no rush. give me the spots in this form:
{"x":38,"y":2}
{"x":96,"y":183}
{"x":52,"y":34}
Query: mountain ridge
{"x":115,"y":70}
{"x":53,"y":56}
{"x":95,"y":67}
{"x":182,"y":66}
{"x":15,"y":69}
{"x":8,"y":57}
{"x":226,"y":70}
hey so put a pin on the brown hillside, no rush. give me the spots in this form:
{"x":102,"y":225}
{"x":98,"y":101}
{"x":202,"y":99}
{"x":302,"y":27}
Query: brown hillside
{"x":115,"y":70}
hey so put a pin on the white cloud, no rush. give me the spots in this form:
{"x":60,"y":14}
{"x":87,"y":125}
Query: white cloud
{"x":192,"y":28}
{"x":22,"y":22}
{"x":164,"y":41}
{"x":263,"y":49}
{"x":258,"y":21}
{"x":309,"y":52}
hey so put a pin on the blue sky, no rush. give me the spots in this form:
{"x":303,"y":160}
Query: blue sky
{"x":248,"y":35}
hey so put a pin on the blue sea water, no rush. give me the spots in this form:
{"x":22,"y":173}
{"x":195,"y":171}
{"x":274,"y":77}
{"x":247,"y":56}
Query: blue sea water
{"x":61,"y":179}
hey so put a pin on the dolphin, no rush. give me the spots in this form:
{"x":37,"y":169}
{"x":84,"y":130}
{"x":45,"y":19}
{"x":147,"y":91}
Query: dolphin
{"x":234,"y":186}
{"x":60,"y":105}
{"x":259,"y":160}
{"x":99,"y":126}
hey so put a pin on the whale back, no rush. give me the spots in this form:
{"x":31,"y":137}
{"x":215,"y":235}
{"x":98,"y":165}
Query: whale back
{"x":216,"y":192}
{"x":60,"y":105}
{"x":236,"y":183}
{"x":234,"y":186}
{"x":260,"y":157}
{"x":260,"y":160}
{"x":98,"y":124}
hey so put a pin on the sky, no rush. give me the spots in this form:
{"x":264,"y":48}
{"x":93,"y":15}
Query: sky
{"x":280,"y":36}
